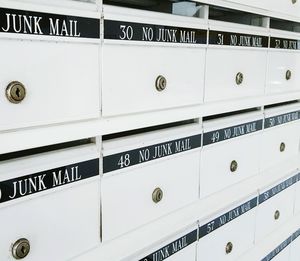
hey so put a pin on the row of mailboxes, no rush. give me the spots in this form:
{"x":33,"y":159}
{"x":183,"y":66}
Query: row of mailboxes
{"x":162,"y":60}
{"x":232,"y":233}
{"x":150,"y":169}
{"x":236,"y":61}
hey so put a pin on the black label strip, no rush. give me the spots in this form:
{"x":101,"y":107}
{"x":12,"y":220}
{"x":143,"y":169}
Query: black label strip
{"x":49,"y":179}
{"x":282,"y":119}
{"x":138,"y":156}
{"x":38,"y":23}
{"x":130,"y":31}
{"x":283,"y":43}
{"x":237,"y":39}
{"x":227,"y":217}
{"x":172,"y":248}
{"x":231,"y":132}
{"x":282,"y":246}
{"x":278,"y":188}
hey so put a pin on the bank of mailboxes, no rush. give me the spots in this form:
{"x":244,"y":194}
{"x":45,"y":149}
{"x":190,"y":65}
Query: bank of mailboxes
{"x":62,"y":65}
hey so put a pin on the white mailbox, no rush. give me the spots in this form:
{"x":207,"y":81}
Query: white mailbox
{"x":50,"y":59}
{"x":236,"y":61}
{"x":229,"y":234}
{"x":159,"y":61}
{"x":276,"y":203}
{"x":281,"y":136}
{"x":47,"y":199}
{"x":231,"y":151}
{"x":147,"y":176}
{"x":284,"y":62}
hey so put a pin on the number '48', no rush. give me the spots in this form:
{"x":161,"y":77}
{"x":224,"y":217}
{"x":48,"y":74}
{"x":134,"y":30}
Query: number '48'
{"x":124,"y":161}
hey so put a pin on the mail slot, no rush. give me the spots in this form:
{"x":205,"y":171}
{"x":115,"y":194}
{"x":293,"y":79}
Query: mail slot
{"x":147,"y":176}
{"x":53,"y":56}
{"x":46,"y":197}
{"x":159,"y":59}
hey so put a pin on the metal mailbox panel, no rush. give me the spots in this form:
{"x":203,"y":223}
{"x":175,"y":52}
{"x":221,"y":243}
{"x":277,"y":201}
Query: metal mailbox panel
{"x":49,"y":197}
{"x":283,"y":62}
{"x":231,"y":151}
{"x":57,"y":60}
{"x":276,"y":206}
{"x":233,"y":238}
{"x":281,"y":136}
{"x":236,"y":62}
{"x":143,"y":47}
{"x":142,"y":169}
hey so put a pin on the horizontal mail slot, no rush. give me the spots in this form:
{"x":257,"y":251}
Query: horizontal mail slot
{"x":231,"y":233}
{"x":143,"y":174}
{"x":55,"y":192}
{"x":231,"y":151}
{"x":48,"y":58}
{"x":246,"y":49}
{"x":283,"y":63}
{"x":275,"y":207}
{"x":281,"y":135}
{"x":159,"y":62}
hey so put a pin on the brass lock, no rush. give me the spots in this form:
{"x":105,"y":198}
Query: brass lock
{"x":277,"y":215}
{"x":21,"y":248}
{"x":239,"y":78}
{"x":161,"y":83}
{"x":282,"y":147}
{"x":15,"y":92}
{"x":229,"y":248}
{"x":288,"y":75}
{"x":233,"y":166}
{"x":157,"y":195}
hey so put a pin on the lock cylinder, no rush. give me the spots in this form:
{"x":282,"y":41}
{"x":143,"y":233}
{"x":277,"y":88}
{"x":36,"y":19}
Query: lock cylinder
{"x":15,"y":92}
{"x":161,"y":83}
{"x":21,"y":248}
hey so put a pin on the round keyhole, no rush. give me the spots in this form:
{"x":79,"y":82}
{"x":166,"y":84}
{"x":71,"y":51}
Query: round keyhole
{"x":21,"y":248}
{"x":239,"y":78}
{"x":282,"y":147}
{"x":233,"y":166}
{"x":161,"y":83}
{"x":277,"y":215}
{"x":157,"y":195}
{"x":288,"y":75}
{"x":15,"y":92}
{"x":229,"y":248}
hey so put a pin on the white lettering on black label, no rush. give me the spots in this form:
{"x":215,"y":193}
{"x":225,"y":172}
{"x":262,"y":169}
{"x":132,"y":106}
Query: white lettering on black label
{"x":227,"y":217}
{"x":130,"y":31}
{"x":149,"y":153}
{"x":231,"y":132}
{"x":282,"y":246}
{"x":172,"y":248}
{"x":278,"y":188}
{"x":237,"y":39}
{"x":282,"y":119}
{"x":283,"y":43}
{"x":49,"y":179}
{"x":27,"y":22}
